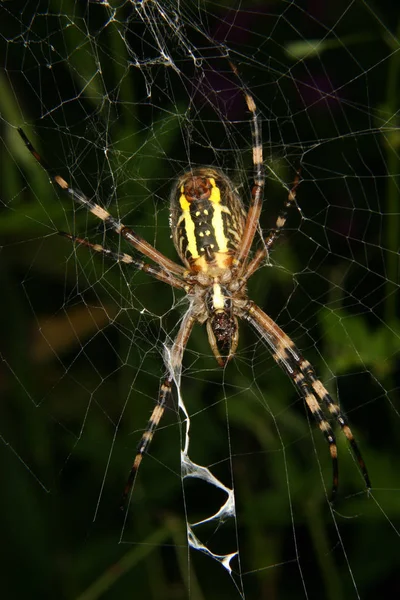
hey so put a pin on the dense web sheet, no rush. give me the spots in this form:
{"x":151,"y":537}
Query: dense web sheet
{"x":232,"y":499}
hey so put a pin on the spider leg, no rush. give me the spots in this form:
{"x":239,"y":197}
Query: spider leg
{"x":287,"y":356}
{"x":174,"y":367}
{"x":257,"y":191}
{"x":270,"y":240}
{"x":131,"y":236}
{"x":120,"y":257}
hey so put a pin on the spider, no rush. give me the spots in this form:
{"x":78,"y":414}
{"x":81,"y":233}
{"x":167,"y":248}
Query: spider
{"x":213,"y":236}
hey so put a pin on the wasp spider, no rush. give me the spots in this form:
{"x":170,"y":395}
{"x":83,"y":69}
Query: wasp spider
{"x":213,"y":236}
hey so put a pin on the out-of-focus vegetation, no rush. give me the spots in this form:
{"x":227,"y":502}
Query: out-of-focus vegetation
{"x":82,"y":339}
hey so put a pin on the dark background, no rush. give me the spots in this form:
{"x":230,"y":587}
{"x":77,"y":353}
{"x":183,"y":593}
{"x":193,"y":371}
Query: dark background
{"x":82,"y":339}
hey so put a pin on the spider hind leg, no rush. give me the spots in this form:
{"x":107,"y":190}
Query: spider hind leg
{"x":303,"y":375}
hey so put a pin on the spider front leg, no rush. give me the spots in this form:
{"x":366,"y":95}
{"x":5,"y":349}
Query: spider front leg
{"x":287,"y":356}
{"x":129,"y":234}
{"x":245,"y":268}
{"x":121,"y":257}
{"x":174,"y":366}
{"x":257,"y":191}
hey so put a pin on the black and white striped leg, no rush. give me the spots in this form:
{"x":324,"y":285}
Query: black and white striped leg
{"x":257,"y":191}
{"x":174,"y":366}
{"x":131,"y":236}
{"x":313,"y":391}
{"x":156,"y":416}
{"x":120,"y":257}
{"x":334,"y":410}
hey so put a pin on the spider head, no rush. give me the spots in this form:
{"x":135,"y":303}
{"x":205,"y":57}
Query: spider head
{"x":222,"y":325}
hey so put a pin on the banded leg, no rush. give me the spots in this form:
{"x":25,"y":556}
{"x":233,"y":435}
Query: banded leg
{"x":274,"y":234}
{"x":131,"y":236}
{"x":257,"y":191}
{"x":118,"y":257}
{"x":287,"y":356}
{"x":177,"y":350}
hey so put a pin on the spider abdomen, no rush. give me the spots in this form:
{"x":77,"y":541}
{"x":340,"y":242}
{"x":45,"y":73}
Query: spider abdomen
{"x":207,"y":219}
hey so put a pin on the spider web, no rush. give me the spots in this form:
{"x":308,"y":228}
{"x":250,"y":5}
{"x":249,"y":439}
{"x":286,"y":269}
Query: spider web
{"x":120,"y":98}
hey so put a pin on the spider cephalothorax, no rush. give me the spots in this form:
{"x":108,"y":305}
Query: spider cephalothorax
{"x":213,"y":236}
{"x":222,"y":323}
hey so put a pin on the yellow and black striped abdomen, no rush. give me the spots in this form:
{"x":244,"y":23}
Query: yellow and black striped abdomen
{"x":207,"y":219}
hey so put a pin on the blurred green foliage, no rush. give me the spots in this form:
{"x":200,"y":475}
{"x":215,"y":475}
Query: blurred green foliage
{"x":82,"y":340}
